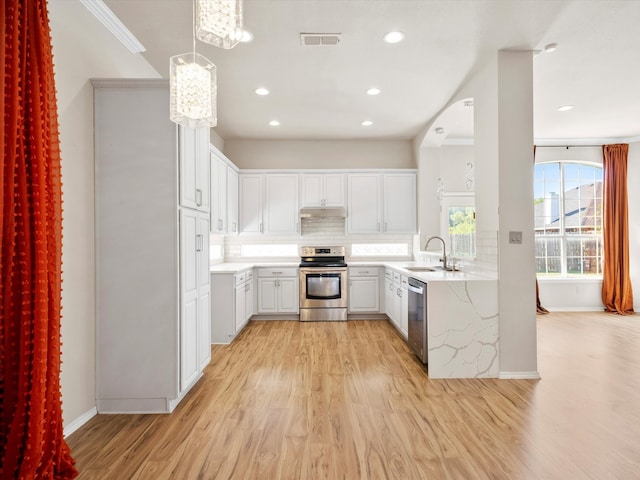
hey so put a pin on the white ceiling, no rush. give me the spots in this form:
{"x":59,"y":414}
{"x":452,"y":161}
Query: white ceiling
{"x":319,"y":92}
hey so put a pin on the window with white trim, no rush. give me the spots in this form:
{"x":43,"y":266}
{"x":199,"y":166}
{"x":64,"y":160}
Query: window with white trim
{"x":568,"y":219}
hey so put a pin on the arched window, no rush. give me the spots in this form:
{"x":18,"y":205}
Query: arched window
{"x":568,"y":218}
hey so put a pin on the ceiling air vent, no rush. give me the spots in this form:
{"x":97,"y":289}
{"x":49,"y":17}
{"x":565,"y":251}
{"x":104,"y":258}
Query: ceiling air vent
{"x":319,"y":39}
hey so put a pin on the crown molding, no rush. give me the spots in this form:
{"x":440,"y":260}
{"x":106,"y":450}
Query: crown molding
{"x":109,"y":19}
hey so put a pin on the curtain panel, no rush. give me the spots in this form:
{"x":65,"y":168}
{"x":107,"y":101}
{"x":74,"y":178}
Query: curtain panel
{"x":617,"y":294}
{"x":32,"y":445}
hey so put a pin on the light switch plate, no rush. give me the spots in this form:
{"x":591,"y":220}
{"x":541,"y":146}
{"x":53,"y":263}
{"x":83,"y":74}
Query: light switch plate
{"x":515,"y":237}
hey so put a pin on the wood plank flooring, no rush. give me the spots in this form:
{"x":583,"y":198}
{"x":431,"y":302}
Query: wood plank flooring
{"x":347,"y":400}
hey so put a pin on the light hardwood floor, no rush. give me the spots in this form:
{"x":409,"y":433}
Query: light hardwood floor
{"x":290,"y":400}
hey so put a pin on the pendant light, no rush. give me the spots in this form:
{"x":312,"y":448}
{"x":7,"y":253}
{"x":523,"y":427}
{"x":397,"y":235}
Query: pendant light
{"x":193,"y":89}
{"x":219,"y":22}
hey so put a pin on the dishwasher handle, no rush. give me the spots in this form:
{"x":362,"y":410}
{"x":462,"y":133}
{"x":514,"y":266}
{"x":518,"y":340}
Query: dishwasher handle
{"x":418,"y":290}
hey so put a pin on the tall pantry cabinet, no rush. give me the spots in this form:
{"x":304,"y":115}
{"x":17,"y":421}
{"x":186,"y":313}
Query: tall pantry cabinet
{"x":152,"y":241}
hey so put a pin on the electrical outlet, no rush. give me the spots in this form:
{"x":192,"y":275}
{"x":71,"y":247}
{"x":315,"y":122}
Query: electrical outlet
{"x":515,"y":237}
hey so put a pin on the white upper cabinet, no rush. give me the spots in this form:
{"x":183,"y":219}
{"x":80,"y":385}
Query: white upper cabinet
{"x":281,"y":212}
{"x":269,"y":204}
{"x":399,"y":203}
{"x":365,"y":201}
{"x":232,"y":201}
{"x":251,"y":203}
{"x":194,"y":167}
{"x":224,"y":194}
{"x":322,"y":190}
{"x":382,"y":203}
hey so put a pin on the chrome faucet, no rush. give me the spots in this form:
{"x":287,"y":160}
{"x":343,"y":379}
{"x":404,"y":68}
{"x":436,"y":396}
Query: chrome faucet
{"x":444,"y":251}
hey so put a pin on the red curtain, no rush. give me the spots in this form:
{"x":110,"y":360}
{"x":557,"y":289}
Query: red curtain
{"x":32,"y":445}
{"x":617,"y":294}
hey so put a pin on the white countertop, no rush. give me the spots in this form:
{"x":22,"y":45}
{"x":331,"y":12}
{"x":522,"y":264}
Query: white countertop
{"x":241,"y":267}
{"x":401,"y":267}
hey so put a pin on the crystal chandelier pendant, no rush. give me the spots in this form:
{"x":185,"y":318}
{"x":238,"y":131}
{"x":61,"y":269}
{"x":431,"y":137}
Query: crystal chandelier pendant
{"x":192,"y":80}
{"x":219,"y":22}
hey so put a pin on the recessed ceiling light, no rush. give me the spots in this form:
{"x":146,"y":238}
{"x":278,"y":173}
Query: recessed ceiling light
{"x":551,"y":48}
{"x":439,"y":130}
{"x":274,"y":123}
{"x":394,"y":37}
{"x":246,"y":37}
{"x":564,"y":108}
{"x":367,"y":123}
{"x":261,"y":91}
{"x":373,"y":91}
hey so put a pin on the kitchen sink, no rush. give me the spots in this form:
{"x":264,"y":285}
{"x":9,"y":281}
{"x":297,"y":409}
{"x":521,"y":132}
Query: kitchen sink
{"x":420,"y":269}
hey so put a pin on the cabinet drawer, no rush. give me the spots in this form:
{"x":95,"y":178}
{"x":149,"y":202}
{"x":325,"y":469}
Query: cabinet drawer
{"x":396,"y":277}
{"x":404,"y":281}
{"x":248,"y":275}
{"x":388,"y":274}
{"x":363,"y":271}
{"x":278,"y":272}
{"x":240,"y":277}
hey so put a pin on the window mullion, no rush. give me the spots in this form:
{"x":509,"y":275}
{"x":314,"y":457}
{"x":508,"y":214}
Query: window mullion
{"x":563,"y":234}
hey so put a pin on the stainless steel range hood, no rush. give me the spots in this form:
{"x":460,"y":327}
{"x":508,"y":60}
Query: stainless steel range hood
{"x":323,"y":212}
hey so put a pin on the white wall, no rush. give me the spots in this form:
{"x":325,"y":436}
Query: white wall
{"x":82,"y":49}
{"x":453,"y":166}
{"x":297,"y":154}
{"x":633,"y":180}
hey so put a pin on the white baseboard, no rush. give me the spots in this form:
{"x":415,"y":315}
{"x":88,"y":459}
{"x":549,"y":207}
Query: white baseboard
{"x":575,"y":309}
{"x":519,"y":375}
{"x":80,"y":421}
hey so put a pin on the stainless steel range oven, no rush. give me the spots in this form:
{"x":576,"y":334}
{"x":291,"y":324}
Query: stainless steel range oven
{"x":323,"y":284}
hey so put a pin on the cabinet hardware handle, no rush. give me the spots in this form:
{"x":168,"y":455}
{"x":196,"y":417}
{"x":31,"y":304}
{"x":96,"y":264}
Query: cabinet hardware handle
{"x":234,"y":227}
{"x":260,"y":227}
{"x":199,"y":197}
{"x":199,"y":243}
{"x":276,"y":273}
{"x":378,"y":226}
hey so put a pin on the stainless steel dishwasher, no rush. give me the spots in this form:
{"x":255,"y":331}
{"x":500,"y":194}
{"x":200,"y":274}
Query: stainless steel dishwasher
{"x":418,"y":319}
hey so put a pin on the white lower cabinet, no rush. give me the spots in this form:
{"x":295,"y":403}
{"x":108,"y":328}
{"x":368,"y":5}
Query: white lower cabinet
{"x":364,"y":290}
{"x":278,"y":290}
{"x":232,"y":304}
{"x":397,"y":300}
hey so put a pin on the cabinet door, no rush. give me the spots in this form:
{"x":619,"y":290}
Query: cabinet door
{"x":248,"y":299}
{"x":311,"y":190}
{"x":251,"y":203}
{"x":364,"y":203}
{"x":188,"y":167}
{"x":193,"y":148}
{"x":204,"y":330}
{"x":267,"y":295}
{"x":188,"y":297}
{"x":240,"y":306}
{"x":334,"y":190}
{"x":232,"y":201}
{"x":388,"y":298}
{"x":363,"y":294}
{"x":399,"y":203}
{"x":288,"y":295}
{"x":281,"y":204}
{"x":397,"y":305}
{"x":219,"y":195}
{"x":204,"y":291}
{"x":203,"y":169}
{"x":404,"y":310}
